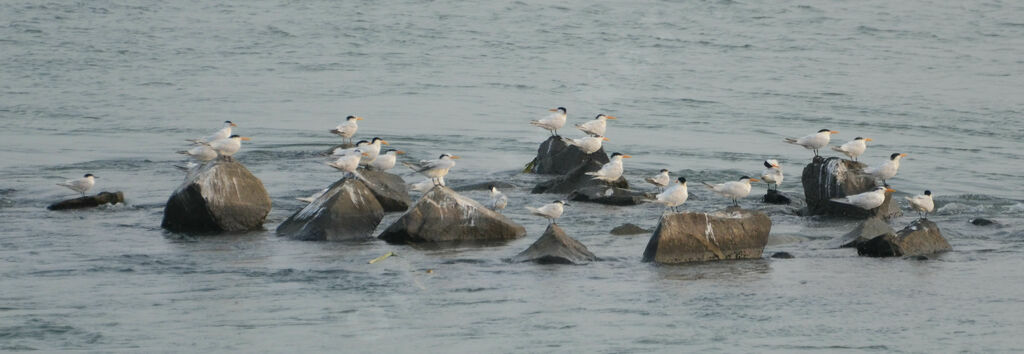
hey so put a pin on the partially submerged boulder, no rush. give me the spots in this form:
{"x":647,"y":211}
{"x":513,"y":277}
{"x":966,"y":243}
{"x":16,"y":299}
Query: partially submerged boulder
{"x":774,"y":197}
{"x":88,"y":201}
{"x":865,"y":231}
{"x":921,"y":237}
{"x":219,"y":196}
{"x":555,"y":247}
{"x":577,"y":179}
{"x":442,"y":215}
{"x":389,"y":189}
{"x":824,"y":179}
{"x":482,"y":186}
{"x":347,"y":211}
{"x":609,"y":195}
{"x":555,"y":157}
{"x":733,"y":233}
{"x":628,"y":229}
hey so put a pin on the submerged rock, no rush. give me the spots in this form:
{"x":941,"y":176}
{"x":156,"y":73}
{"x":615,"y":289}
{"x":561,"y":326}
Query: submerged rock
{"x":733,"y":233}
{"x":442,"y":215}
{"x":347,"y":211}
{"x":555,"y":157}
{"x":88,"y":201}
{"x":484,"y":186}
{"x":824,"y":179}
{"x":865,"y":231}
{"x":628,"y":229}
{"x":982,"y":222}
{"x":577,"y":179}
{"x":774,"y":197}
{"x":609,"y":195}
{"x":921,"y":237}
{"x":555,"y":247}
{"x":389,"y":189}
{"x":782,"y":255}
{"x":217,"y":197}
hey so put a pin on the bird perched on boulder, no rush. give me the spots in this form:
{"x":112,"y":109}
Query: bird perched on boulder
{"x":612,"y":170}
{"x":674,"y":196}
{"x":435,"y":169}
{"x":386,"y":161}
{"x":853,"y":148}
{"x":595,"y":127}
{"x":550,"y":211}
{"x":773,"y":174}
{"x":222,"y":133}
{"x":659,"y":180}
{"x":348,"y":128}
{"x":498,"y":199}
{"x":734,"y":190}
{"x":202,"y":153}
{"x":922,"y":203}
{"x":888,"y":169}
{"x":867,"y":200}
{"x":227,"y":148}
{"x":80,"y":185}
{"x":348,"y":162}
{"x":588,"y":144}
{"x":553,"y":122}
{"x":814,"y":141}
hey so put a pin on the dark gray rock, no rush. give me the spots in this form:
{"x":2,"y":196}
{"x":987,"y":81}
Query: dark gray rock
{"x":555,"y":247}
{"x":733,"y":233}
{"x":982,"y":222}
{"x":577,"y":179}
{"x":609,"y":195}
{"x":865,"y":231}
{"x":921,"y":237}
{"x":774,"y":197}
{"x":824,"y":179}
{"x":389,"y":189}
{"x":628,"y":229}
{"x":442,"y":215}
{"x":89,"y":201}
{"x":347,"y":211}
{"x":219,"y":196}
{"x":555,"y":157}
{"x":484,"y":186}
{"x":782,"y":255}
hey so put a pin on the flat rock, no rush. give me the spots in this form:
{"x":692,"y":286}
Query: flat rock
{"x":442,"y":215}
{"x":347,"y":211}
{"x":982,"y":222}
{"x":609,"y":195}
{"x":88,"y":201}
{"x":733,"y":233}
{"x":577,"y":179}
{"x":555,"y":247}
{"x":921,"y":237}
{"x":628,"y":229}
{"x":219,"y":196}
{"x":555,"y":157}
{"x":774,"y":197}
{"x":389,"y":189}
{"x":782,"y":255}
{"x":484,"y":186}
{"x":865,"y":231}
{"x":824,"y":179}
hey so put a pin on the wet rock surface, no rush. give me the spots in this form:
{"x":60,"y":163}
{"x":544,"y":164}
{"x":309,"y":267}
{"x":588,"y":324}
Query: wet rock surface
{"x":220,"y":196}
{"x":555,"y":157}
{"x":921,"y":237}
{"x":775,"y":197}
{"x":484,"y":186}
{"x":88,"y":201}
{"x":555,"y":247}
{"x":577,"y":179}
{"x":732,"y":233}
{"x":982,"y":222}
{"x":865,"y":231}
{"x":824,"y":179}
{"x":389,"y":189}
{"x":628,"y":229}
{"x":442,"y":215}
{"x":349,"y":210}
{"x":609,"y":195}
{"x":782,"y":255}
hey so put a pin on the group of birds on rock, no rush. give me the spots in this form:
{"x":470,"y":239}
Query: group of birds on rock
{"x":219,"y":144}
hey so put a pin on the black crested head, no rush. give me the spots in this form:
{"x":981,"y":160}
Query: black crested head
{"x":87,"y":175}
{"x":766,"y":164}
{"x":562,"y":109}
{"x":664,"y":170}
{"x":362,"y":142}
{"x":894,"y":155}
{"x":744,"y":177}
{"x":616,"y":154}
{"x":559,"y":202}
{"x":350,"y":117}
{"x":824,"y":130}
{"x":235,"y":136}
{"x":859,"y":138}
{"x":599,"y":116}
{"x":376,"y":139}
{"x":681,"y":179}
{"x":490,"y":187}
{"x":228,"y":122}
{"x":927,"y":192}
{"x":443,"y":156}
{"x":390,"y":150}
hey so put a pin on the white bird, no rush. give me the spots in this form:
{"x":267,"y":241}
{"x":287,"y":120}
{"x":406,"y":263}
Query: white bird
{"x":673,"y":196}
{"x":867,"y":200}
{"x":853,"y":148}
{"x":888,"y":169}
{"x":922,"y":203}
{"x":348,"y":128}
{"x":588,"y":144}
{"x":814,"y":141}
{"x":659,"y":180}
{"x":348,"y":162}
{"x":222,"y":133}
{"x":734,"y":190}
{"x":549,"y":211}
{"x":552,"y":122}
{"x":435,"y":169}
{"x":202,"y":153}
{"x":313,"y":197}
{"x":80,"y":185}
{"x":612,"y":170}
{"x":498,"y":199}
{"x":773,"y":174}
{"x":595,"y":127}
{"x":227,"y":147}
{"x":361,"y":145}
{"x":424,"y":185}
{"x":386,"y":161}
{"x":372,"y":150}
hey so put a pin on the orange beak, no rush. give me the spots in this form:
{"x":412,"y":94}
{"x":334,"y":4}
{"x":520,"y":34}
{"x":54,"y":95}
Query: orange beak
{"x":890,"y":190}
{"x":605,"y":139}
{"x":385,"y":142}
{"x":610,"y":117}
{"x":626,"y":156}
{"x":903,"y":155}
{"x":399,"y":152}
{"x":553,"y":110}
{"x":359,"y":118}
{"x":234,"y":125}
{"x":755,"y":180}
{"x":834,"y":132}
{"x":455,"y":157}
{"x":776,"y":166}
{"x":246,"y":138}
{"x":867,"y":139}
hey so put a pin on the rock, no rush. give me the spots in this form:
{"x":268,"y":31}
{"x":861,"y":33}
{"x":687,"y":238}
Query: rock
{"x":389,"y":189}
{"x":609,"y":195}
{"x":502,"y":186}
{"x":577,"y":179}
{"x":347,"y":211}
{"x":628,"y":229}
{"x":555,"y":247}
{"x":89,"y":201}
{"x":921,"y":237}
{"x":442,"y":215}
{"x":733,"y":233}
{"x":217,"y":197}
{"x":782,"y":255}
{"x":824,"y":179}
{"x":774,"y":197}
{"x":555,"y":157}
{"x":982,"y":222}
{"x":865,"y":231}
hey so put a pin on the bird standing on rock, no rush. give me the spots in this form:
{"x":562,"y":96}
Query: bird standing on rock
{"x":734,"y":190}
{"x":348,"y":128}
{"x":80,"y":185}
{"x":348,"y":162}
{"x":612,"y":170}
{"x":867,"y":200}
{"x":922,"y":203}
{"x":498,"y":199}
{"x":435,"y":169}
{"x":386,"y":161}
{"x":227,"y":147}
{"x":853,"y":148}
{"x":888,"y":169}
{"x":595,"y":127}
{"x":773,"y":174}
{"x":673,"y":196}
{"x":552,"y":122}
{"x":659,"y":180}
{"x":202,"y":153}
{"x":550,"y":211}
{"x":588,"y":144}
{"x":223,"y":133}
{"x":814,"y":141}
{"x":372,"y":150}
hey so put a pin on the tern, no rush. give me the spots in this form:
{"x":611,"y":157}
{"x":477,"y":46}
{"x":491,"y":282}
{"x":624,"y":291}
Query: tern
{"x":773,"y":174}
{"x":814,"y":141}
{"x":612,"y":170}
{"x":595,"y":127}
{"x":498,"y":199}
{"x":588,"y":144}
{"x":227,"y":147}
{"x":80,"y":185}
{"x":922,"y":203}
{"x":673,"y":196}
{"x":202,"y":153}
{"x":372,"y":150}
{"x":659,"y":180}
{"x":888,"y":169}
{"x":552,"y":122}
{"x":223,"y":133}
{"x":853,"y":148}
{"x":424,"y":185}
{"x":550,"y":211}
{"x":734,"y":190}
{"x":867,"y":200}
{"x":348,"y":162}
{"x":386,"y":161}
{"x":435,"y":169}
{"x":348,"y":128}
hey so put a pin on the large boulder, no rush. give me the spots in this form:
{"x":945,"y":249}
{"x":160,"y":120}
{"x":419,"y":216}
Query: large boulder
{"x":577,"y":179}
{"x":389,"y":189}
{"x":555,"y":247}
{"x":609,"y":195}
{"x":555,"y":157}
{"x":220,"y":196}
{"x":774,"y":197}
{"x":921,"y":237}
{"x":347,"y":211}
{"x":824,"y":179}
{"x":88,"y":201}
{"x":442,"y":215}
{"x":733,"y":233}
{"x":866,"y":230}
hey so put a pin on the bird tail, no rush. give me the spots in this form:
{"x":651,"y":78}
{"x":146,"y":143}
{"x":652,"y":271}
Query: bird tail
{"x":790,"y":140}
{"x":305,"y":199}
{"x":411,"y":166}
{"x":569,"y":141}
{"x":64,"y":184}
{"x":183,"y":152}
{"x":536,"y":123}
{"x":532,"y":210}
{"x":909,"y":199}
{"x":651,"y":181}
{"x":836,"y":148}
{"x":840,"y":200}
{"x":708,"y":185}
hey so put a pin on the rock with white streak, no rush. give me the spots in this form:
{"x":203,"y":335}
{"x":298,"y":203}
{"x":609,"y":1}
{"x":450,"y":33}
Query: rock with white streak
{"x":733,"y":233}
{"x":347,"y":211}
{"x":444,"y":216}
